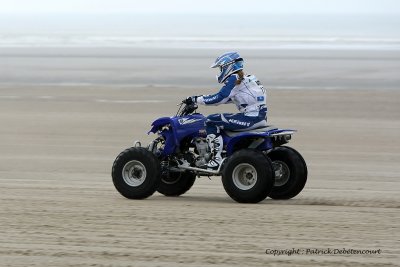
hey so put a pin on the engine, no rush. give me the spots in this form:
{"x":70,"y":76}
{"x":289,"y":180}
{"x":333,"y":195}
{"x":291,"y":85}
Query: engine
{"x":203,"y":151}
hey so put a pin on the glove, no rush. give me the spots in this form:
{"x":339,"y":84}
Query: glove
{"x":190,"y":100}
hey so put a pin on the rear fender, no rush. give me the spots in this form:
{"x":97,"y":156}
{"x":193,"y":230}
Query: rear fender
{"x":264,"y":140}
{"x":256,"y":141}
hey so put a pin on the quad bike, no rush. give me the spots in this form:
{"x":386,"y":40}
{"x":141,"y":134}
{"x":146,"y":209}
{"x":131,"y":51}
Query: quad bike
{"x":255,"y":163}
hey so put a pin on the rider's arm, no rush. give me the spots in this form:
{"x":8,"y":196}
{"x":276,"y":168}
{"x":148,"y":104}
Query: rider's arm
{"x":222,"y":97}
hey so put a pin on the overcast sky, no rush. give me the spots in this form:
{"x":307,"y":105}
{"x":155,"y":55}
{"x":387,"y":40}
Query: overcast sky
{"x":203,"y":6}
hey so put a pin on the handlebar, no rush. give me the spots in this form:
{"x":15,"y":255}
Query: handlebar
{"x":188,"y":108}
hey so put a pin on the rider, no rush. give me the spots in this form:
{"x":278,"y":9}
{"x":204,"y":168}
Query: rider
{"x":243,"y":90}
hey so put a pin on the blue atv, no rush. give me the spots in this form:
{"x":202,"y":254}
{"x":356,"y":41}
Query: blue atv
{"x":255,"y":164}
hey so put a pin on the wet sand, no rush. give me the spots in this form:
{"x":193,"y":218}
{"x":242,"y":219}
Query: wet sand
{"x":59,"y":207}
{"x":183,"y":68}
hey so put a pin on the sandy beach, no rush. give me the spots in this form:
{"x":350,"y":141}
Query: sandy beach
{"x":58,"y":142}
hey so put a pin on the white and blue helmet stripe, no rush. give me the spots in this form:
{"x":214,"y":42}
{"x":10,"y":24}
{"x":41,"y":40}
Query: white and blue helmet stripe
{"x":228,"y":63}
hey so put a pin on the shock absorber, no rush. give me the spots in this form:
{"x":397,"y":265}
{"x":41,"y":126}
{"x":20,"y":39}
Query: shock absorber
{"x":154,"y":146}
{"x":164,"y":167}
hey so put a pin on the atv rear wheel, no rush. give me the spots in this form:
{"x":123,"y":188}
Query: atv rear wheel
{"x":247,"y":176}
{"x":136,"y":173}
{"x":290,"y":172}
{"x":176,"y":183}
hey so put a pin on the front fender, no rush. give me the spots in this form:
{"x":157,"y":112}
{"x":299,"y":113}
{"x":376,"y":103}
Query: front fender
{"x":168,"y":134}
{"x":158,"y":123}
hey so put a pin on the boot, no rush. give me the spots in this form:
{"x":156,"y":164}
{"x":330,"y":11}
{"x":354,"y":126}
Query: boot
{"x":216,"y":144}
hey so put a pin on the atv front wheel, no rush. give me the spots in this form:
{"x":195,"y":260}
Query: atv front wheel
{"x":247,"y":176}
{"x":136,"y":173}
{"x":290,"y":172}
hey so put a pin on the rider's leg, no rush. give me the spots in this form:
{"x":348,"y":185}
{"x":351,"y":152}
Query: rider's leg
{"x":226,"y":121}
{"x":216,"y":144}
{"x":214,"y":140}
{"x":241,"y":122}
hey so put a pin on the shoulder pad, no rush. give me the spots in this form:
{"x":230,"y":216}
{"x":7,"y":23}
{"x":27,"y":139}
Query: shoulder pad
{"x":231,"y":78}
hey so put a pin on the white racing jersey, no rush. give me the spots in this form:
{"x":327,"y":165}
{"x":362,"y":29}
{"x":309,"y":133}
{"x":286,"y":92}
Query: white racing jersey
{"x":249,"y":96}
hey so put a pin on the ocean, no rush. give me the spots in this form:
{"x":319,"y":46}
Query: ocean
{"x":331,"y":32}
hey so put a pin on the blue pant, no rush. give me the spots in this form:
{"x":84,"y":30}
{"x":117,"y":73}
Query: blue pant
{"x":233,"y":122}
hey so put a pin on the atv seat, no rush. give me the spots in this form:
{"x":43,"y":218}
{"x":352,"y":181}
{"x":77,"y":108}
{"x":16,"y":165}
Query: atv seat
{"x":257,"y":130}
